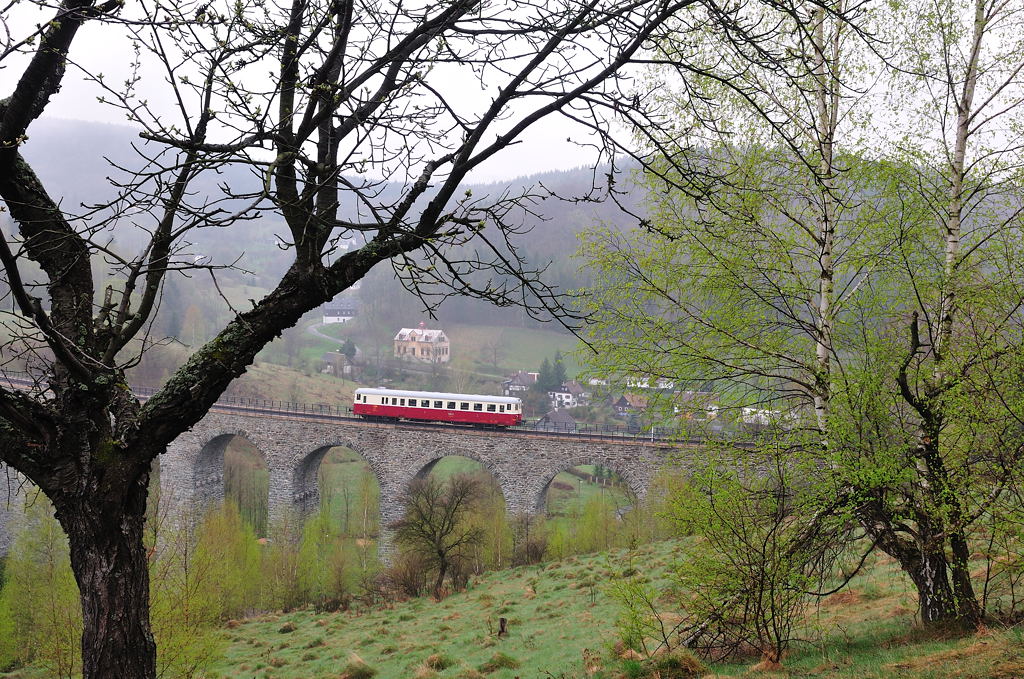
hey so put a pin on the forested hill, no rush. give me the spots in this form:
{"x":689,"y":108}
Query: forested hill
{"x":69,"y":157}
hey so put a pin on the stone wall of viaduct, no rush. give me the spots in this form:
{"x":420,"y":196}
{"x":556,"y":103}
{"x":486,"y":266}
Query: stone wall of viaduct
{"x":192,"y":469}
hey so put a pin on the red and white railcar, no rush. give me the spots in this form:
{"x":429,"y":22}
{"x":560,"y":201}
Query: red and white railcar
{"x":436,"y":406}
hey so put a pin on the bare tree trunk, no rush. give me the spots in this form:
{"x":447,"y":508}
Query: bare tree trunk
{"x":442,"y":570}
{"x":940,"y":604}
{"x":946,"y":598}
{"x":110,"y":566}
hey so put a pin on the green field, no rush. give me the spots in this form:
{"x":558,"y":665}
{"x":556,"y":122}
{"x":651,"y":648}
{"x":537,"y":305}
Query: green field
{"x":518,"y":348}
{"x":558,"y":611}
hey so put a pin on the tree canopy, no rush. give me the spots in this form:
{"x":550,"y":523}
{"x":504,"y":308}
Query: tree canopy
{"x":859,"y":280}
{"x":321,"y":104}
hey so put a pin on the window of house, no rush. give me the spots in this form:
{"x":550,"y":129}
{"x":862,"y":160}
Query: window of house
{"x":463,"y":406}
{"x":451,"y":405}
{"x":490,"y":407}
{"x":478,"y":406}
{"x":413,"y":351}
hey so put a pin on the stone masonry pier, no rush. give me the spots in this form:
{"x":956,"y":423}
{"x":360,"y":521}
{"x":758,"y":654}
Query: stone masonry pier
{"x":524,"y":464}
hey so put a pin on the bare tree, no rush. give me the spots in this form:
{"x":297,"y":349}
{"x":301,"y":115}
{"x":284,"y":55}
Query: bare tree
{"x":494,"y":351}
{"x":434,"y":526}
{"x":357,"y":92}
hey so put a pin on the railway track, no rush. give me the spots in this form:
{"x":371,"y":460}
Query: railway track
{"x":325,"y":413}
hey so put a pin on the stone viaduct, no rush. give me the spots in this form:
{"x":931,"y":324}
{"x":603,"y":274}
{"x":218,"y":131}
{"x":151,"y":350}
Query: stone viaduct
{"x":523,"y":463}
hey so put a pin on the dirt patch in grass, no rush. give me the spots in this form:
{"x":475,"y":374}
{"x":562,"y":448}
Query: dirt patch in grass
{"x":1008,"y":669}
{"x":844,"y":598}
{"x":986,"y":650}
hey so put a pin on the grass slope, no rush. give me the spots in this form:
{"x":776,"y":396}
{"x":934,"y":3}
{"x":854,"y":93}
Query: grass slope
{"x":279,"y":383}
{"x":519,"y":348}
{"x":557,"y":610}
{"x":554,"y":611}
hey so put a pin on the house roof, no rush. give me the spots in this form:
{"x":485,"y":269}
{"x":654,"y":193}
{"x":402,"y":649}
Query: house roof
{"x":700,"y":399}
{"x":420,"y":335}
{"x":574,"y":388}
{"x":521,"y":377}
{"x":557,"y":416}
{"x":633,"y":401}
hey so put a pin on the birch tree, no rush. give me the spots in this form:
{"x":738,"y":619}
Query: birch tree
{"x":323,"y":101}
{"x":879,"y":312}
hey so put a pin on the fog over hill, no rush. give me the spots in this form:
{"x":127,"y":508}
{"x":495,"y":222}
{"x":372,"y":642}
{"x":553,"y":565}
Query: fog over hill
{"x":78,"y":161}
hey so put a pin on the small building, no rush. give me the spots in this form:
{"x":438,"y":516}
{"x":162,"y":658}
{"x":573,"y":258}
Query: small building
{"x":518,"y":382}
{"x":569,"y":395}
{"x":336,"y":363}
{"x":422,"y":344}
{"x":629,"y":403}
{"x":701,"y":405}
{"x":556,"y":420}
{"x":340,"y":310}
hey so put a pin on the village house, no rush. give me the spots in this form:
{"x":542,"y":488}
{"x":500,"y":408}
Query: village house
{"x":422,"y":344}
{"x":336,"y":363}
{"x":629,"y":403}
{"x":556,"y":420}
{"x":518,"y":383}
{"x":341,"y":310}
{"x":701,"y":405}
{"x":569,"y":395}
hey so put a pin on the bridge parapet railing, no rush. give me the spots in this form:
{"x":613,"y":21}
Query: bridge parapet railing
{"x":692,"y":433}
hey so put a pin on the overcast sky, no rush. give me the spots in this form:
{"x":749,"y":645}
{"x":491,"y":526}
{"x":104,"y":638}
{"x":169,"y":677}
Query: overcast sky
{"x":97,"y":49}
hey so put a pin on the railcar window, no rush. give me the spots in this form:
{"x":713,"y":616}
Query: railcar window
{"x":438,"y":404}
{"x":401,"y":401}
{"x":451,"y":405}
{"x":501,"y":409}
{"x":478,"y":406}
{"x":463,"y":406}
{"x":490,"y":407}
{"x":424,"y":403}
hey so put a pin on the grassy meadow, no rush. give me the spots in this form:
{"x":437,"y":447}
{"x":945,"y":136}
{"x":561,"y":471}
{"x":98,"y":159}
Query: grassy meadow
{"x":560,"y":612}
{"x":517,"y":348}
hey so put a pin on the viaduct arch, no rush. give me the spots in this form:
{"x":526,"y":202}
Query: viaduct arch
{"x":523,"y":463}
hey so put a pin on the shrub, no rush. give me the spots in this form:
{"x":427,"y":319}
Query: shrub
{"x":357,"y":669}
{"x":498,"y":661}
{"x":680,"y":664}
{"x":439,"y":662}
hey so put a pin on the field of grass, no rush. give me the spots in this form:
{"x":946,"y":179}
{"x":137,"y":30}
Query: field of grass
{"x":279,"y":383}
{"x":553,"y":610}
{"x":558,"y":611}
{"x":519,"y":348}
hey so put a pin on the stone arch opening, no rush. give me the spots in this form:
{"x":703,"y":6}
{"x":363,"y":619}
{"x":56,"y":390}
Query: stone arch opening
{"x":445,"y":465}
{"x":489,"y":512}
{"x":572,"y":486}
{"x":588,"y":504}
{"x":231,"y":468}
{"x":340,"y":481}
